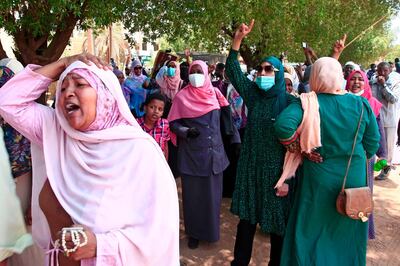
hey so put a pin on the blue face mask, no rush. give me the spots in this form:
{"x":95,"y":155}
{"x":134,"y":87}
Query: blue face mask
{"x":171,"y":71}
{"x":265,"y":82}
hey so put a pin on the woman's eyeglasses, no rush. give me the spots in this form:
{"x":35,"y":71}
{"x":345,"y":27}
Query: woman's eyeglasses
{"x":268,"y":69}
{"x":137,"y":68}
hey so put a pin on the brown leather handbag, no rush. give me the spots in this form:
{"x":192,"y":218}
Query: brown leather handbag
{"x":356,"y":203}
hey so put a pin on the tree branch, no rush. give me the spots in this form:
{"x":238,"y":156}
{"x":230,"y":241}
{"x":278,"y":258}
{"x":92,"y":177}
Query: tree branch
{"x":60,"y":39}
{"x":227,"y":31}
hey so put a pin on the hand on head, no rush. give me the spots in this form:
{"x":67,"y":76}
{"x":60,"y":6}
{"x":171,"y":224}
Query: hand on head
{"x":54,"y":69}
{"x":88,"y":59}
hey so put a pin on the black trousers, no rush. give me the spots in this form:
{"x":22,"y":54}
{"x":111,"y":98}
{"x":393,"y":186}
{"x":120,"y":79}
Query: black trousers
{"x":244,"y":245}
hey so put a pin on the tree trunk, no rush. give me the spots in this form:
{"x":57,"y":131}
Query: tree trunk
{"x":2,"y":52}
{"x":36,"y":51}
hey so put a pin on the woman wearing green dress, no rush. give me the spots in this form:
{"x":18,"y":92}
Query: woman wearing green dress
{"x":254,"y":199}
{"x":316,"y":233}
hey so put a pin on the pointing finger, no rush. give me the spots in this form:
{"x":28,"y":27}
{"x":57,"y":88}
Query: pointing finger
{"x":251,"y":24}
{"x":344,"y":38}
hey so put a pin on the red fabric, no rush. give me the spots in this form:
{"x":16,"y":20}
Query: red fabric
{"x":160,"y":132}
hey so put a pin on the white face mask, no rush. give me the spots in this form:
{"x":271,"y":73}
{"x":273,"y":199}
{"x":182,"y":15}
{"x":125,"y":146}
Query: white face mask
{"x":196,"y":80}
{"x":358,"y":93}
{"x":243,"y":68}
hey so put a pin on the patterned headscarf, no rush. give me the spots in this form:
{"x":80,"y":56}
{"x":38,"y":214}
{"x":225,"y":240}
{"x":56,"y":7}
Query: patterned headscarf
{"x":107,"y":114}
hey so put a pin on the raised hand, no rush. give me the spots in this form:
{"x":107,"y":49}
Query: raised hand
{"x":242,"y":31}
{"x":339,"y":46}
{"x":187,"y":52}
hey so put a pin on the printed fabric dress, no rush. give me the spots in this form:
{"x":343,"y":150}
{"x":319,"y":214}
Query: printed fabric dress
{"x":316,"y":233}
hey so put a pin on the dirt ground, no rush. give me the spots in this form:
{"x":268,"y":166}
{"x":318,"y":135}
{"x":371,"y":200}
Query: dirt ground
{"x":384,"y":250}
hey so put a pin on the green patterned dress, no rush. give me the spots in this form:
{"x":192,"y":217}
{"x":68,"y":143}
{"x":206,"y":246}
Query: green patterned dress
{"x":261,"y":159}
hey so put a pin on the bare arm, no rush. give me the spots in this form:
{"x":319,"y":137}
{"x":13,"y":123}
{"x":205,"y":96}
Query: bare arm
{"x":187,"y":56}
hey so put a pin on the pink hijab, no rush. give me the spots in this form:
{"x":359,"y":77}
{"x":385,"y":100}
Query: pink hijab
{"x":373,"y":102}
{"x":107,"y":113}
{"x":193,"y":102}
{"x":171,"y":86}
{"x":127,"y":205}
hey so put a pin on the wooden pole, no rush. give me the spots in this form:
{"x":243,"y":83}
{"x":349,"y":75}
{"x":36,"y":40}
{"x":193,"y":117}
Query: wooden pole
{"x":364,"y":31}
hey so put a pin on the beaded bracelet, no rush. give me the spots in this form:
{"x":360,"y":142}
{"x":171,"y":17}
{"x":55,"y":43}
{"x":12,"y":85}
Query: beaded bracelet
{"x":74,"y":232}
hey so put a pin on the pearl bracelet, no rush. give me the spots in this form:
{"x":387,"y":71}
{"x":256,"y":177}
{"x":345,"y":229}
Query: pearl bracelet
{"x":75,"y":233}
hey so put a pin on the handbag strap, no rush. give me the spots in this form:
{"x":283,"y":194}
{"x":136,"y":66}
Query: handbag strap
{"x":354,"y":145}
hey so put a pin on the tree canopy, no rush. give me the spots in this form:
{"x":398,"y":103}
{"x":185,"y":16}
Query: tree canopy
{"x":280,"y":25}
{"x":41,"y":29}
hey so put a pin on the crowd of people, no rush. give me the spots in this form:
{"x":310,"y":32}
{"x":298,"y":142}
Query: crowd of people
{"x":94,"y":174}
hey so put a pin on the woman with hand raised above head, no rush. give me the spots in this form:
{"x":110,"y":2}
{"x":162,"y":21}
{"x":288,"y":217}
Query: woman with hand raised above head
{"x":116,"y":212}
{"x":255,"y":200}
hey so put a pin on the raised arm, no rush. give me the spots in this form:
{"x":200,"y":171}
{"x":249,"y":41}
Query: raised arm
{"x":239,"y":81}
{"x":187,"y":56}
{"x":338,"y":47}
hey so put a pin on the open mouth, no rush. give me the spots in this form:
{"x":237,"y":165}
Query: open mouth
{"x":71,"y":107}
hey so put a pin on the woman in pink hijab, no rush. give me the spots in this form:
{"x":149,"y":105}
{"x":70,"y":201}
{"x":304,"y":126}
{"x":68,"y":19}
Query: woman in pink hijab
{"x":169,"y":79}
{"x":195,"y":119}
{"x":128,"y":212}
{"x":358,"y":84}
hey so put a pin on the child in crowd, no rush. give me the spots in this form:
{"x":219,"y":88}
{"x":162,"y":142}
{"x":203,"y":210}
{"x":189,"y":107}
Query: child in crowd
{"x":152,"y":122}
